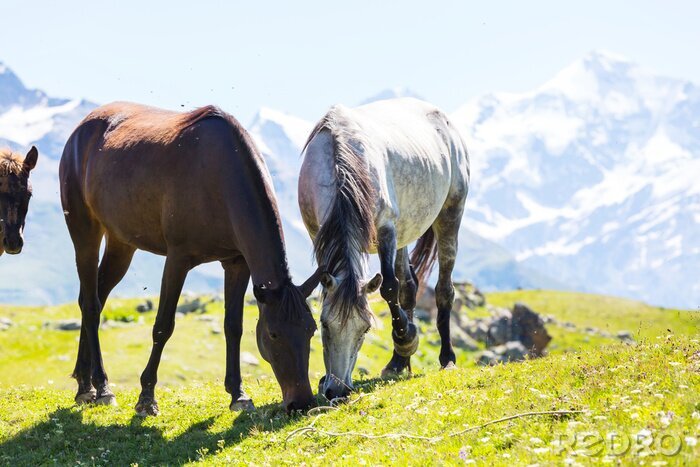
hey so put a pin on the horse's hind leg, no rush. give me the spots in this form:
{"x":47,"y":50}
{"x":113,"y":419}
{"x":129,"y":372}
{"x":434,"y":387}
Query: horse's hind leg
{"x":115,"y":262}
{"x":174,"y":274}
{"x":236,"y":280}
{"x":404,"y":334}
{"x":446,"y":229}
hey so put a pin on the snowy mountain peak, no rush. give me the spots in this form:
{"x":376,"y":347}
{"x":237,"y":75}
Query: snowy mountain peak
{"x":271,"y":122}
{"x":392,"y":93}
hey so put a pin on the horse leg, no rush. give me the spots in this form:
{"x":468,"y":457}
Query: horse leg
{"x":404,"y":332}
{"x":236,"y":280}
{"x":446,"y":230}
{"x":174,"y":275}
{"x":116,"y":260}
{"x":114,"y":264}
{"x":408,"y":290}
{"x":89,"y":368}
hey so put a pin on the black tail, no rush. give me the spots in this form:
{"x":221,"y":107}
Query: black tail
{"x":424,"y":255}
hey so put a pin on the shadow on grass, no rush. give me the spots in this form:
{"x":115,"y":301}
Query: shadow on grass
{"x":67,"y":437}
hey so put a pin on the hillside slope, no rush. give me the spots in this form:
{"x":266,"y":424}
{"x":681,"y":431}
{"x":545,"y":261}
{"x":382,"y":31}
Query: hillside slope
{"x":642,"y":393}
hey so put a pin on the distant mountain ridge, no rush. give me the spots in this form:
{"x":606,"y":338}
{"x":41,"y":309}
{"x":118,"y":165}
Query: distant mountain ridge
{"x":588,"y":179}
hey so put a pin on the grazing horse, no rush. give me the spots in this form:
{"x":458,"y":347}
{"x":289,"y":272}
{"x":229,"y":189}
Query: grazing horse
{"x":194,"y":188}
{"x":376,"y":178}
{"x":15,"y":192}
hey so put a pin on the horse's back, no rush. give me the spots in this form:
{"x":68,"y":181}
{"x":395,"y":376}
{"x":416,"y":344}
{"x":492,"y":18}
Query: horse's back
{"x":417,"y":158}
{"x":151,"y":176}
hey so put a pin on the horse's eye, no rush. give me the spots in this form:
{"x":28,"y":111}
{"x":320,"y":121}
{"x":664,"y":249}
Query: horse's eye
{"x":273,"y":335}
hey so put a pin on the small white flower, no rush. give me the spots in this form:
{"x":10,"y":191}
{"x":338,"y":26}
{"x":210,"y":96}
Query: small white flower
{"x":691,"y":441}
{"x":674,"y":363}
{"x":540,"y":450}
{"x":634,"y":416}
{"x":536,"y":441}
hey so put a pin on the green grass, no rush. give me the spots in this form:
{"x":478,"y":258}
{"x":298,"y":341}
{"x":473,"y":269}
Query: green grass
{"x":622,"y":389}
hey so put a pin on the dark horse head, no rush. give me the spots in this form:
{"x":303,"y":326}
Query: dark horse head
{"x":284,"y":332}
{"x":15,"y":191}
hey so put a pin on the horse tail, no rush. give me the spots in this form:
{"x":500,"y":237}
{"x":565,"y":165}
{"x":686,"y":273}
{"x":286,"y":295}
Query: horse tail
{"x":424,"y":255}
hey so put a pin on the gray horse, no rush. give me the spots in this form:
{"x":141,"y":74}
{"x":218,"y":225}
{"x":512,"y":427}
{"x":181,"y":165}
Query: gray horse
{"x":374,"y":179}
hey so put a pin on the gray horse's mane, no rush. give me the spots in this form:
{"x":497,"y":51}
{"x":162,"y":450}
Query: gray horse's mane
{"x":348,"y":231}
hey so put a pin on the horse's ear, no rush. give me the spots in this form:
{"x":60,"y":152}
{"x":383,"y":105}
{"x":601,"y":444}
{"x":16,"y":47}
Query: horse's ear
{"x":328,"y":281}
{"x":373,"y":284}
{"x":30,"y":159}
{"x":259,"y":293}
{"x":307,"y":287}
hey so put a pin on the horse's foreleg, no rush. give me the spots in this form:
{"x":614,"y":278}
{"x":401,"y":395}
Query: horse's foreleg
{"x":89,"y":369}
{"x":174,"y":275}
{"x":236,"y":280}
{"x":404,"y":332}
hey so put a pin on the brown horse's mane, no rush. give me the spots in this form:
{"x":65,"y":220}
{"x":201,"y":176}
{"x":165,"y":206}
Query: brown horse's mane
{"x":11,"y":163}
{"x":348,"y":231}
{"x":131,"y":124}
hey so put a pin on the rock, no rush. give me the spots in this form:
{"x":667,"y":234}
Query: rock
{"x":499,"y":332}
{"x":479,"y":331}
{"x":249,"y":359}
{"x":626,"y":337}
{"x":189,"y":307}
{"x":462,"y":340}
{"x":488,"y":358}
{"x":528,"y":328}
{"x":5,"y":324}
{"x":206,"y":318}
{"x":145,"y":306}
{"x":218,"y":298}
{"x":470,"y":295}
{"x":215,"y":329}
{"x":512,"y":351}
{"x":425,"y":301}
{"x":67,"y":325}
{"x":549,"y":319}
{"x":421,"y":315}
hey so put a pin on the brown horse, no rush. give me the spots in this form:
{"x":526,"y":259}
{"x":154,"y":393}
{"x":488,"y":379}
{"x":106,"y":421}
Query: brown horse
{"x":194,"y":188}
{"x":15,"y":192}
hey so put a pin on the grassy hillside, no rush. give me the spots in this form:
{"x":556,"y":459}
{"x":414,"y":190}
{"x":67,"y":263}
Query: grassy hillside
{"x":650,"y":391}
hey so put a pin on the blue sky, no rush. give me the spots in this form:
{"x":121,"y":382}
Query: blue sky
{"x":303,"y":56}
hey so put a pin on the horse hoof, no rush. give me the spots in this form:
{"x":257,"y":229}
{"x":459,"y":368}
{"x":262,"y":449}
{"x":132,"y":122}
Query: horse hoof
{"x":107,"y":399}
{"x":147,"y":407}
{"x":86,"y":397}
{"x":391,"y":373}
{"x":449,"y":366}
{"x":243,"y":404}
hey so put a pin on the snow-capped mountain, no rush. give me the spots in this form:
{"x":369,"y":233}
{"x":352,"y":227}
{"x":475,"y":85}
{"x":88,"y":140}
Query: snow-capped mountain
{"x":593,"y":178}
{"x":589,"y":179}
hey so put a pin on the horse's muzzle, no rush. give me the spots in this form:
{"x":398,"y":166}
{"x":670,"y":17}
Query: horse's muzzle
{"x":13,"y":244}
